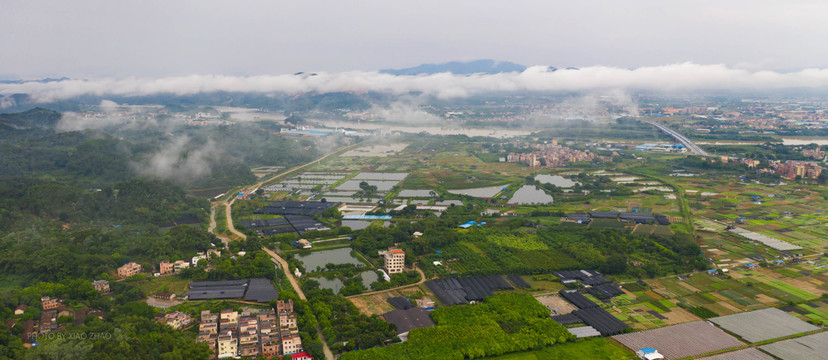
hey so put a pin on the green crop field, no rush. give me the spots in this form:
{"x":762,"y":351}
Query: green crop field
{"x":591,"y":348}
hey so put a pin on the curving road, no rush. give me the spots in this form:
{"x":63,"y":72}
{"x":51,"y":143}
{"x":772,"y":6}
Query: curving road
{"x":691,"y":146}
{"x":284,"y":265}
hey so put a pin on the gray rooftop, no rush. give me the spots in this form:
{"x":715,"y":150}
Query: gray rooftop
{"x":380,"y":176}
{"x":807,"y":347}
{"x":415,"y":193}
{"x":682,"y":340}
{"x":744,"y":354}
{"x":584,"y":331}
{"x":761,"y":325}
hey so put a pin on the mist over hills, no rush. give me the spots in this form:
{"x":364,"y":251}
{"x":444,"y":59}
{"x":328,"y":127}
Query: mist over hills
{"x":452,"y":81}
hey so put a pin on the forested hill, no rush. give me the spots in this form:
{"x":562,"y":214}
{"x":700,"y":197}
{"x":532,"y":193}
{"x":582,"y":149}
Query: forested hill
{"x":32,"y":121}
{"x":35,"y":144}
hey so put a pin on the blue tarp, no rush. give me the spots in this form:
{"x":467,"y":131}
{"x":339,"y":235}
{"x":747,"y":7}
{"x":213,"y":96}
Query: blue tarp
{"x":366,"y":217}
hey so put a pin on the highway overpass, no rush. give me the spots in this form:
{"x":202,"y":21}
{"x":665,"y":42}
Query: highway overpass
{"x":691,"y":147}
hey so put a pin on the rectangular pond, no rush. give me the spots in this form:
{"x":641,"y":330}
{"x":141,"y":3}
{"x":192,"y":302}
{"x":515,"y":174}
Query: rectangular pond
{"x":337,"y":284}
{"x":556,"y":180}
{"x":484,"y":192}
{"x":318,"y":259}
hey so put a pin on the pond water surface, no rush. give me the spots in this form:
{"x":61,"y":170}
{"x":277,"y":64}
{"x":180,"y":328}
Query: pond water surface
{"x":556,"y":180}
{"x":319,"y":259}
{"x":529,"y":194}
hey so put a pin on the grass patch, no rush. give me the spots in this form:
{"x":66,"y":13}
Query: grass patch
{"x":702,"y":312}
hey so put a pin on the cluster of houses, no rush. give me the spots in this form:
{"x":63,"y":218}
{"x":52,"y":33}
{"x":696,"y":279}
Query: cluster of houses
{"x":166,"y":267}
{"x":552,"y":155}
{"x":269,"y":333}
{"x":792,"y":169}
{"x":52,"y":310}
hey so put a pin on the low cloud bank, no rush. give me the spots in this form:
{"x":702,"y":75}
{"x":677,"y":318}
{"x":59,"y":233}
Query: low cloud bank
{"x":674,"y":77}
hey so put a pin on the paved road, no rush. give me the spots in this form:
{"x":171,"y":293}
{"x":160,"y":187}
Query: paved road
{"x":691,"y":146}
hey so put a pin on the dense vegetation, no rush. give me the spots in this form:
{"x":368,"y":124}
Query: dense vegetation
{"x":502,"y":324}
{"x":76,"y":204}
{"x":514,"y":248}
{"x":343,"y":326}
{"x":130,"y":333}
{"x":101,"y":151}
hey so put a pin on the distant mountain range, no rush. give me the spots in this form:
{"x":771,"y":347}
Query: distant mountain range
{"x":486,"y":66}
{"x":46,"y":80}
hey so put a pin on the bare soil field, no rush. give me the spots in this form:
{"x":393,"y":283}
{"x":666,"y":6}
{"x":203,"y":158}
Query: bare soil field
{"x":377,"y":304}
{"x":678,"y":315}
{"x":556,"y":304}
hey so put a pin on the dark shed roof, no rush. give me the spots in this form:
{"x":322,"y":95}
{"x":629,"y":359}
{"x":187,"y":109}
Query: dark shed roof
{"x":601,"y":320}
{"x":261,"y":290}
{"x":576,"y":298}
{"x":406,"y":320}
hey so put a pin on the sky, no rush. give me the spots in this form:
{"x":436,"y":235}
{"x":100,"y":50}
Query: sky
{"x":94,"y":39}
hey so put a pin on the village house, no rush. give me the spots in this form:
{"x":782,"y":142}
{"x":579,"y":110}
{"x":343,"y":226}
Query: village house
{"x":227,"y":345}
{"x":166,"y":267}
{"x":394,"y":260}
{"x":129,"y":269}
{"x":209,"y":254}
{"x":49,"y":303}
{"x":177,"y":320}
{"x":164,"y":296}
{"x":101,"y":285}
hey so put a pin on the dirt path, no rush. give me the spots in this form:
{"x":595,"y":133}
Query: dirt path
{"x":212,"y":227}
{"x":229,"y":214}
{"x":422,"y":280}
{"x":333,"y":239}
{"x":284,"y":265}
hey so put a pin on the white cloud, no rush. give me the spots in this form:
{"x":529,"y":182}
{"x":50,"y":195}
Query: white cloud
{"x":673,"y":77}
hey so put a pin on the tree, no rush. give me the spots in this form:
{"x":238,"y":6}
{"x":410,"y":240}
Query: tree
{"x":367,"y":188}
{"x":314,"y":348}
{"x":332,"y":212}
{"x":616,"y":264}
{"x":295,"y":120}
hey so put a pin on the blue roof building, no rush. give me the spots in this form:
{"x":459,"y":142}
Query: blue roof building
{"x":467,"y":225}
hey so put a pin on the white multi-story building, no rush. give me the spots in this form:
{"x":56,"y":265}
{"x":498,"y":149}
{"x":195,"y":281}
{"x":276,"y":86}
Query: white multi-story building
{"x":394,"y":260}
